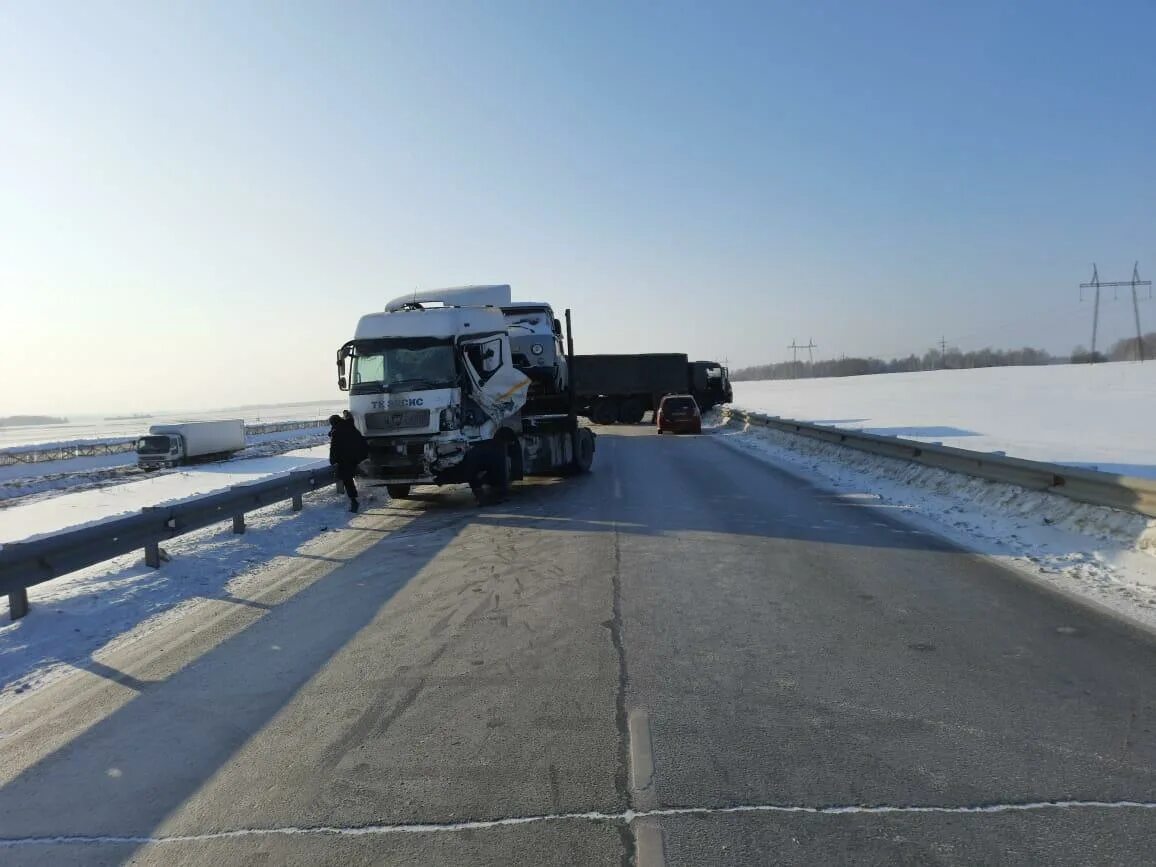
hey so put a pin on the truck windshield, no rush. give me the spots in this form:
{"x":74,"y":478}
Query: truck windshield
{"x":409,"y":363}
{"x":152,"y":445}
{"x":530,"y":321}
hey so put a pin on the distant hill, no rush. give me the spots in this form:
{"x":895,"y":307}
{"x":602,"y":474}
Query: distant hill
{"x":30,"y":420}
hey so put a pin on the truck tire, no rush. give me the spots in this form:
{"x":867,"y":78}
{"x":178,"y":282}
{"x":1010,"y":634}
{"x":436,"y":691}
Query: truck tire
{"x":631,"y":411}
{"x":398,"y":492}
{"x":604,"y":411}
{"x":583,"y":452}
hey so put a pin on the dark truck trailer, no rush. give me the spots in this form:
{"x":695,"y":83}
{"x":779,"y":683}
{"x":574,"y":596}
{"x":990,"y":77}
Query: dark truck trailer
{"x":623,"y":388}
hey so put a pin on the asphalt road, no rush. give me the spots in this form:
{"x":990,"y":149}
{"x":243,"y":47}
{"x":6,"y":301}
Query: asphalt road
{"x":768,"y":673}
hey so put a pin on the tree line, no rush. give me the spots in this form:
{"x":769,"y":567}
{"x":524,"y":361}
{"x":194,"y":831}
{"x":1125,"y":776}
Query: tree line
{"x":952,"y":359}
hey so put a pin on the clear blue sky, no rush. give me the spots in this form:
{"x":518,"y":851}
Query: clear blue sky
{"x":197,"y":200}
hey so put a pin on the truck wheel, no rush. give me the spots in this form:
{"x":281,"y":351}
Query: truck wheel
{"x":398,"y":492}
{"x":604,"y":411}
{"x":583,"y":451}
{"x":631,"y":411}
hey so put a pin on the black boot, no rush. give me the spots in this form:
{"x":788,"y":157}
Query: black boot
{"x":353,"y":505}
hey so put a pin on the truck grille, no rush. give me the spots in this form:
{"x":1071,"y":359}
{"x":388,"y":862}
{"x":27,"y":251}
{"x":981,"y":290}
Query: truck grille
{"x":401,"y":419}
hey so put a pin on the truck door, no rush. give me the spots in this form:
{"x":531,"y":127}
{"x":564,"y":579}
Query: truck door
{"x":498,"y":387}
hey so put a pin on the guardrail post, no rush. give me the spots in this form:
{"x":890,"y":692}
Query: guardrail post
{"x":298,"y":505}
{"x":153,"y":555}
{"x":18,"y":603}
{"x":239,"y":523}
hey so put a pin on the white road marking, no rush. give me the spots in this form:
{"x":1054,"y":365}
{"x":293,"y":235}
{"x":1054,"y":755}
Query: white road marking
{"x":647,"y":831}
{"x":641,"y":759}
{"x":648,"y":847}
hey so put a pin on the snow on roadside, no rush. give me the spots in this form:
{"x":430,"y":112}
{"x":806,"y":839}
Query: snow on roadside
{"x":1101,"y":554}
{"x":121,"y":600}
{"x":47,"y":516}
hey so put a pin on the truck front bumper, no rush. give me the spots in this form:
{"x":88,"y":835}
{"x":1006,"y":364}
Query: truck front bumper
{"x":418,"y":461}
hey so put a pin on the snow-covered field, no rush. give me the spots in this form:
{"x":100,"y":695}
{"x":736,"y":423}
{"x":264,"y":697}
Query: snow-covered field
{"x":69,"y":510}
{"x":1097,"y":416}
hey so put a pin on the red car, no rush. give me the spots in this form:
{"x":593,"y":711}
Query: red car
{"x":678,"y":413}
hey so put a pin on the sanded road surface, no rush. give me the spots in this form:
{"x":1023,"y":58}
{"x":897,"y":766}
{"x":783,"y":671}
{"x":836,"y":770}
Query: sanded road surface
{"x":685,"y":657}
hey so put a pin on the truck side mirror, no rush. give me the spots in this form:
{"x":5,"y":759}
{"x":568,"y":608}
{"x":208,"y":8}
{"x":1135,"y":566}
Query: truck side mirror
{"x":342,"y":383}
{"x":557,"y":327}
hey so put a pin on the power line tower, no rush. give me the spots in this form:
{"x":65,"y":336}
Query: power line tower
{"x":795,"y":346}
{"x":943,"y":353}
{"x":1135,"y":283}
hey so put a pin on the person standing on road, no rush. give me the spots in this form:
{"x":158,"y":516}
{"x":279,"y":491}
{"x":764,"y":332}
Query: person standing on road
{"x":347,"y":449}
{"x":348,"y":416}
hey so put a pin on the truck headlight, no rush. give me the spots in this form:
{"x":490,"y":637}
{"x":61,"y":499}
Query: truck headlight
{"x":536,"y":349}
{"x":450,"y":418}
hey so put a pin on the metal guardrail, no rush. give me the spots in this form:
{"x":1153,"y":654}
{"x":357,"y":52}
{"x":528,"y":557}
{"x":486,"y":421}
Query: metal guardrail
{"x":1128,"y":493}
{"x":280,"y":426}
{"x":26,"y":564}
{"x":91,"y":448}
{"x":38,"y":454}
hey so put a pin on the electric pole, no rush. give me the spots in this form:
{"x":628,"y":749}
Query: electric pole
{"x":795,"y":346}
{"x":1135,"y":283}
{"x":943,"y":353}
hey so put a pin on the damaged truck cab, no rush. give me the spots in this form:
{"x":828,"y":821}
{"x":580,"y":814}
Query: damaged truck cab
{"x":442,"y":398}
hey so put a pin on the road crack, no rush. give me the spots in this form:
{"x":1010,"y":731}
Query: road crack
{"x":625,"y":818}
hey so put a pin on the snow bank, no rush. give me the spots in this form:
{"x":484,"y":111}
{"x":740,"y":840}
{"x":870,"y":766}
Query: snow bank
{"x":74,"y":617}
{"x":1096,"y":553}
{"x":1096,"y":416}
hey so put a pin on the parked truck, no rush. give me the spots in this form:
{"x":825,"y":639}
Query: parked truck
{"x":170,"y":445}
{"x":613,"y":389}
{"x":462,"y":385}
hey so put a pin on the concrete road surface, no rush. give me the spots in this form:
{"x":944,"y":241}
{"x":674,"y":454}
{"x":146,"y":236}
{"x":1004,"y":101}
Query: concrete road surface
{"x":686,"y":657}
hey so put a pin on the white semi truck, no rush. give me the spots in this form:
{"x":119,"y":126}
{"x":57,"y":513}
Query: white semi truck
{"x":169,"y":445}
{"x":462,"y":385}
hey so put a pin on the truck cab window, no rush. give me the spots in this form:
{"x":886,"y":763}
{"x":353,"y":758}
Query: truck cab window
{"x":485,"y":358}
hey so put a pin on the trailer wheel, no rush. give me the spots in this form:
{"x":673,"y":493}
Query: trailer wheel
{"x":583,"y":451}
{"x":631,"y":411}
{"x":604,"y":411}
{"x":398,"y":492}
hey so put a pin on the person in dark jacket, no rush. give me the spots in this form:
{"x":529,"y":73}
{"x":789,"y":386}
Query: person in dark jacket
{"x":348,"y":416}
{"x":347,"y":449}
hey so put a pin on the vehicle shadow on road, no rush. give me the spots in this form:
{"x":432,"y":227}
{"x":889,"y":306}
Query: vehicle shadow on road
{"x":132,"y":768}
{"x":744,"y":497}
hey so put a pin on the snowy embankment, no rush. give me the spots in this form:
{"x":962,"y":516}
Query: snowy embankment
{"x":121,"y":599}
{"x":77,"y":509}
{"x":79,"y":616}
{"x":50,"y":478}
{"x":1096,"y":416}
{"x":1103,"y":419}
